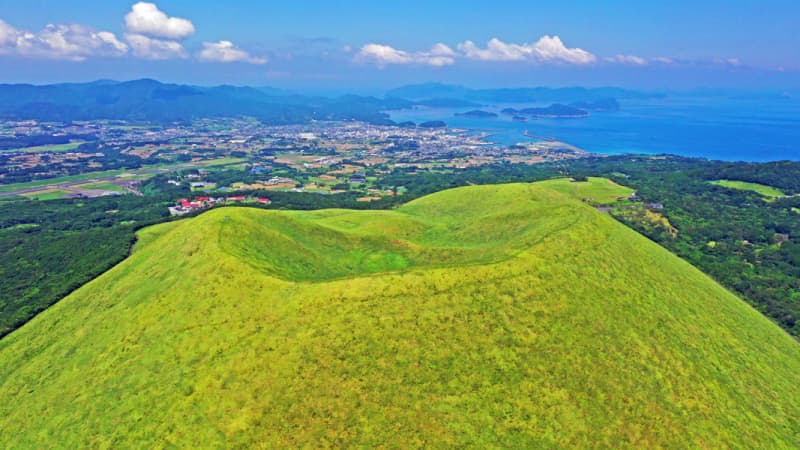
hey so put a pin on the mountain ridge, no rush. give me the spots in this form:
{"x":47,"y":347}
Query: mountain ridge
{"x":151,"y":100}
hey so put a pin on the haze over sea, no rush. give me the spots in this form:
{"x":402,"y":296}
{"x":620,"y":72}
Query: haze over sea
{"x":722,"y":128}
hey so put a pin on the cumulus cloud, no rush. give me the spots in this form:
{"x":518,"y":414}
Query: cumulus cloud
{"x":64,"y":41}
{"x":226,"y":52}
{"x":381,"y":55}
{"x":154,"y":35}
{"x":147,"y":20}
{"x":548,"y":49}
{"x":627,"y":59}
{"x":8,"y":35}
{"x":155,"y":49}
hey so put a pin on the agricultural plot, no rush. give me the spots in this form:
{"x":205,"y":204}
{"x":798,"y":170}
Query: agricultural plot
{"x":101,"y":186}
{"x":48,"y":194}
{"x":55,"y":148}
{"x":766,"y":191}
{"x":103,"y":180}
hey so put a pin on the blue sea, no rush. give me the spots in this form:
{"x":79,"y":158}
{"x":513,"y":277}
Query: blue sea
{"x":709,"y":127}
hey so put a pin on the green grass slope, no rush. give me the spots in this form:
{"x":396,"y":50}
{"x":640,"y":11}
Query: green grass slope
{"x":485,"y":316}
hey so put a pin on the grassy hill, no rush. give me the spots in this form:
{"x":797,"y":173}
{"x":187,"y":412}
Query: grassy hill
{"x":512,"y":315}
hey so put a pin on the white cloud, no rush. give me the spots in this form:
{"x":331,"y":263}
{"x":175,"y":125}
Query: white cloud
{"x":548,"y":49}
{"x":627,"y":59}
{"x":147,"y":20}
{"x":8,"y":35}
{"x":381,"y":55}
{"x":64,"y":41}
{"x":155,"y":49}
{"x":226,"y":52}
{"x":663,"y":60}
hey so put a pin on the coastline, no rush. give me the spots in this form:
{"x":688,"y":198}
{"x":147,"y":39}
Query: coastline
{"x":713,"y":128}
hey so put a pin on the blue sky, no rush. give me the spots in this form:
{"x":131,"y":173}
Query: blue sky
{"x":359,"y":45}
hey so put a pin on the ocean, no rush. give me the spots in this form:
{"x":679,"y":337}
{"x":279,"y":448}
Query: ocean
{"x":709,"y":127}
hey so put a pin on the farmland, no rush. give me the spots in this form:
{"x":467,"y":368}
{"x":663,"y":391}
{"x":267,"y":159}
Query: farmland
{"x":500,"y":315}
{"x":53,"y":148}
{"x":103,"y":181}
{"x":766,"y":191}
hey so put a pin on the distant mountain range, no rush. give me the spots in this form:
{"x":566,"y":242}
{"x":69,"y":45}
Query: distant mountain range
{"x":155,"y":101}
{"x":152,"y":100}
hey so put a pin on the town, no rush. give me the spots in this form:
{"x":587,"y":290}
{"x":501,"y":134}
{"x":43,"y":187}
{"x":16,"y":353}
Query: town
{"x":219,"y":157}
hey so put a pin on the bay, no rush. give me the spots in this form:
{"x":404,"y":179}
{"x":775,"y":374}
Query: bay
{"x":729,"y":129}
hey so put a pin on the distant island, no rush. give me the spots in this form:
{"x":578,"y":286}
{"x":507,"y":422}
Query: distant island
{"x":477,"y":114}
{"x":519,"y":119}
{"x":433,"y":124}
{"x":556,"y":110}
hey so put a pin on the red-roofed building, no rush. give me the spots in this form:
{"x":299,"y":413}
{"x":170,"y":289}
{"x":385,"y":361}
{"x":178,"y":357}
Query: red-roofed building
{"x":236,"y":198}
{"x":265,"y":201}
{"x":202,"y":199}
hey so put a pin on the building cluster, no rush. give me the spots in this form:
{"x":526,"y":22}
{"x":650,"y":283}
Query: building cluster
{"x":186,"y":206}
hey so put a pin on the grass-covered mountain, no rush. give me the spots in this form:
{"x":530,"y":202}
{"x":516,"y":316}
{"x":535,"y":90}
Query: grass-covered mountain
{"x":155,"y":101}
{"x":507,"y":315}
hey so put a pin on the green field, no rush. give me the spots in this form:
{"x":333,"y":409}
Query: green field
{"x":55,"y":148}
{"x":766,"y":191}
{"x":599,"y":191}
{"x":48,"y":194}
{"x":102,"y":186}
{"x":486,"y":316}
{"x":22,"y":226}
{"x":57,"y":194}
{"x":59,"y":180}
{"x":137,"y":174}
{"x":216,"y":162}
